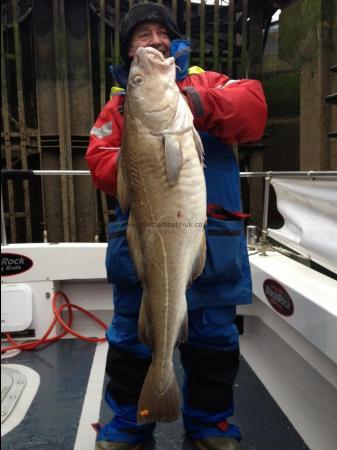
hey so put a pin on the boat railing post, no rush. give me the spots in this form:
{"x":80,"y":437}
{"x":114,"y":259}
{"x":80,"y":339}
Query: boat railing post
{"x":264,"y":236}
{"x":3,"y":223}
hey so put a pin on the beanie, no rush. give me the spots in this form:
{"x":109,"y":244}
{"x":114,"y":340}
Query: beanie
{"x":139,"y":14}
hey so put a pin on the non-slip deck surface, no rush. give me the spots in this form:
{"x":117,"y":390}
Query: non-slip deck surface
{"x":52,"y":420}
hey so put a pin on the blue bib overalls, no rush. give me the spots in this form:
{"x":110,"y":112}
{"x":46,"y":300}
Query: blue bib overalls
{"x":210,"y":357}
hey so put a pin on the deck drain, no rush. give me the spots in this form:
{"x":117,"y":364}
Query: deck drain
{"x":19,"y":385}
{"x":13,"y":382}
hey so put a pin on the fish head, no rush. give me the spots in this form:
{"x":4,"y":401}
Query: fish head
{"x":152,"y":93}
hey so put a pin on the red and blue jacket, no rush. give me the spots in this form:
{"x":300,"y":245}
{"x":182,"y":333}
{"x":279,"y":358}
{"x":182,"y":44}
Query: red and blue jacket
{"x":225,"y":112}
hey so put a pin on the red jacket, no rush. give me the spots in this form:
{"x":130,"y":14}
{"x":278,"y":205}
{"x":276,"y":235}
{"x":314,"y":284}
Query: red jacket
{"x":235,"y":111}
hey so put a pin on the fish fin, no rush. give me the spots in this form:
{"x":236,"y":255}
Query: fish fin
{"x":123,"y":193}
{"x":200,"y":147}
{"x":173,"y":157}
{"x":156,"y":406}
{"x":135,"y":247}
{"x":144,"y":326}
{"x":200,"y":261}
{"x":183,"y":331}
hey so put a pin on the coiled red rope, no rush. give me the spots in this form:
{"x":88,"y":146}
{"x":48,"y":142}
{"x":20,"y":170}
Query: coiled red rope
{"x":32,"y":345}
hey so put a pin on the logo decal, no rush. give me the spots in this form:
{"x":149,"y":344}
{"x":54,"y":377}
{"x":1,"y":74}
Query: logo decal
{"x":103,"y":131}
{"x":13,"y":264}
{"x":278,"y":297}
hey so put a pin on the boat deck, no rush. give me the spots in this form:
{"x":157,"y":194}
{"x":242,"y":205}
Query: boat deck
{"x":56,"y":418}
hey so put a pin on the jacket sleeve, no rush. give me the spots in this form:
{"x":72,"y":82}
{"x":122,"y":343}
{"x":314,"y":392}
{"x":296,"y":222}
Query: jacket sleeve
{"x":234,"y":110}
{"x":103,"y":149}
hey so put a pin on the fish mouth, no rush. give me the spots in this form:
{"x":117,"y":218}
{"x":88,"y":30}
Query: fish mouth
{"x":151,"y":55}
{"x":156,"y":52}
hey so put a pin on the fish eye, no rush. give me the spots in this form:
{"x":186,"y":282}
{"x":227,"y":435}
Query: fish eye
{"x":137,"y":80}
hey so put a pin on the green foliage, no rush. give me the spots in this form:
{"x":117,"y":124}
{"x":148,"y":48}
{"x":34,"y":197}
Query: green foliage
{"x":283,"y":94}
{"x":300,"y":31}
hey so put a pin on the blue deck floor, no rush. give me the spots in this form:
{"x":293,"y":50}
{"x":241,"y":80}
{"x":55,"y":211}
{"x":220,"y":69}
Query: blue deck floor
{"x":52,"y":420}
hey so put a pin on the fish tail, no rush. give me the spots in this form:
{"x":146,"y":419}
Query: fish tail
{"x":155,"y":405}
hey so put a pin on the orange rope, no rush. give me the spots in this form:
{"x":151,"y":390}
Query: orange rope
{"x":32,"y":345}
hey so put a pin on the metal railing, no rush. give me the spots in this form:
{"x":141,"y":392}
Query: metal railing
{"x":312,"y":174}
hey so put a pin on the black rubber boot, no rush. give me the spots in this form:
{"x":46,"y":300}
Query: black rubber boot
{"x":107,"y":445}
{"x":217,"y":443}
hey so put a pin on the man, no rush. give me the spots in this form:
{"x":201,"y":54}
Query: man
{"x":225,"y":112}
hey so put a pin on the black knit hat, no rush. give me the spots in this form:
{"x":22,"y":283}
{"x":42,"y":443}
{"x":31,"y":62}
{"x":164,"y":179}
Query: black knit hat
{"x":141,"y":13}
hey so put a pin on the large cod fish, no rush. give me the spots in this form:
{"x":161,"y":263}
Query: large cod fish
{"x":161,"y":181}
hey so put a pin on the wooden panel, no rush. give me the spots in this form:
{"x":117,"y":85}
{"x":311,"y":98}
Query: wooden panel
{"x":216,"y":33}
{"x":21,"y":113}
{"x":230,"y":38}
{"x":202,"y":33}
{"x":6,"y":135}
{"x":188,"y":19}
{"x":64,"y":120}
